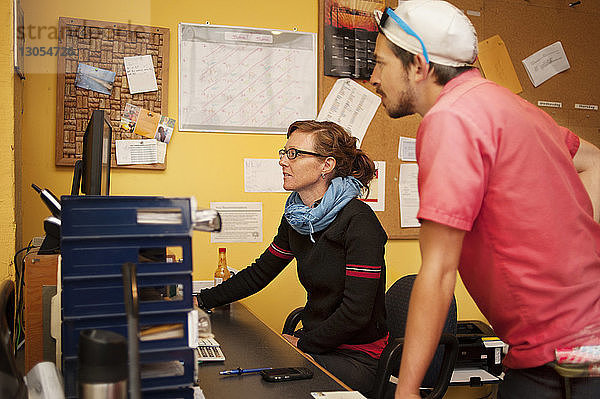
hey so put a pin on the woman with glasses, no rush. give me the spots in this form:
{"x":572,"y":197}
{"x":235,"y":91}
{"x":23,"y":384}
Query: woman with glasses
{"x":338,"y":244}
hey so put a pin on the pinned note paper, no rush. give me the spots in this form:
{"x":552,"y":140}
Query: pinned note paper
{"x":546,"y":63}
{"x":140,"y":74}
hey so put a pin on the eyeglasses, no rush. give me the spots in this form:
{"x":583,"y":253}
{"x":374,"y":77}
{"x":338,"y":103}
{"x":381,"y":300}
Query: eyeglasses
{"x":292,"y":153}
{"x":390,"y":13}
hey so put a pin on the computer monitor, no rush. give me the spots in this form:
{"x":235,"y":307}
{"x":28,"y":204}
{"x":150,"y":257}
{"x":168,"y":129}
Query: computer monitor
{"x":92,"y":172}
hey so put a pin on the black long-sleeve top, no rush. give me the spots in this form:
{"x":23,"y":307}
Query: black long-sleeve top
{"x":343,"y":273}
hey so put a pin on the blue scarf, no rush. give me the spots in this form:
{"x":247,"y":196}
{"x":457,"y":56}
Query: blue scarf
{"x":306,"y":220}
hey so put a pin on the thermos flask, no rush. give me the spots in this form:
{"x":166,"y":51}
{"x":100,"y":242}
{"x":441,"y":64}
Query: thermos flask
{"x":102,"y":365}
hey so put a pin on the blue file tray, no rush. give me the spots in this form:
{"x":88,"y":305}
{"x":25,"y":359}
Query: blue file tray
{"x":97,"y":296}
{"x":118,"y":324}
{"x":105,"y":256}
{"x":186,"y":364}
{"x":101,"y":216}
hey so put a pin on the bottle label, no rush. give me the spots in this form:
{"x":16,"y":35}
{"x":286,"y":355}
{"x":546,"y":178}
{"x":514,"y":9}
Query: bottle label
{"x":218,"y":280}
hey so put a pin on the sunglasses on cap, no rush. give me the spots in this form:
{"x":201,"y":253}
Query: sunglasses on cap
{"x":389,"y":13}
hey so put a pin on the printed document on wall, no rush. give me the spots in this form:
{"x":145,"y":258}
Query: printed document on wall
{"x":407,"y":149}
{"x":245,"y":80}
{"x":409,"y":195}
{"x":351,"y":106}
{"x":263,"y":176}
{"x":240,"y":222}
{"x":138,"y":152}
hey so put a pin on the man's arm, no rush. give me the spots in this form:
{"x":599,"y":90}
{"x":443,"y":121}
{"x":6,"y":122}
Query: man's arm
{"x":429,"y":302}
{"x":587,"y":164}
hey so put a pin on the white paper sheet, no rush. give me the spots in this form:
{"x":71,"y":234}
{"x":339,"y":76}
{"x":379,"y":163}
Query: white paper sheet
{"x":245,"y":80}
{"x":161,"y":151}
{"x":263,"y":176}
{"x":351,"y":106}
{"x":136,"y":152}
{"x":547,"y":62}
{"x":409,"y":195}
{"x":376,"y":198}
{"x":407,"y":149}
{"x":140,"y":74}
{"x":465,"y":375}
{"x":241,"y":222}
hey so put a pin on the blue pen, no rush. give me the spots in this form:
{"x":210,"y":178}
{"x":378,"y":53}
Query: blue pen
{"x":243,"y":371}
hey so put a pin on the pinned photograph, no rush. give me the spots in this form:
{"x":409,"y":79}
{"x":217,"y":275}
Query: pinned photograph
{"x":165,"y":129}
{"x":129,"y":117}
{"x":96,"y":79}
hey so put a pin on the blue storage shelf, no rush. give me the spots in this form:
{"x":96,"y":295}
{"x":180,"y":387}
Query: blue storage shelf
{"x":98,"y":235}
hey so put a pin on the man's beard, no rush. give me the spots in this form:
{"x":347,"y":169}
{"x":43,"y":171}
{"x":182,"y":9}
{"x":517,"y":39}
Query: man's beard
{"x":405,"y":106}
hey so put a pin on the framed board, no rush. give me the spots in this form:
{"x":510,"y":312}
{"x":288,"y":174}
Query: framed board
{"x":104,"y":45}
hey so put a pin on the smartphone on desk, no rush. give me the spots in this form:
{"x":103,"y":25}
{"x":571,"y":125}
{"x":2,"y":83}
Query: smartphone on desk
{"x":286,"y":374}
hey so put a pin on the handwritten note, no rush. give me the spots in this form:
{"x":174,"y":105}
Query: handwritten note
{"x":140,"y":74}
{"x":546,"y":63}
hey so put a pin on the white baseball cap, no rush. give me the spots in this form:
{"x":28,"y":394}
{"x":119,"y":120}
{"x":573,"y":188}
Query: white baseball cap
{"x":434,"y":28}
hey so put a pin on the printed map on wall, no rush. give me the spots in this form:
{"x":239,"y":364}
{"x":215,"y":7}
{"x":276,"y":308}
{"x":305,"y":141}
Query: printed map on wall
{"x":245,"y":80}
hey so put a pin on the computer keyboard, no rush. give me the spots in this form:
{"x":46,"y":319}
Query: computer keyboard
{"x":209,"y":350}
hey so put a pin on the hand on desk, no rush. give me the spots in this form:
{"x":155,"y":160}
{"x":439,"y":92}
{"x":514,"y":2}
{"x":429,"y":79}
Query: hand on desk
{"x":291,"y":339}
{"x":294,"y":341}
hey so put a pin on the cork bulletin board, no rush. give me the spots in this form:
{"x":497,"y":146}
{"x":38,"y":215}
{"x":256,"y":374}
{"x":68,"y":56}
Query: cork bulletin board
{"x":525,"y":27}
{"x":103,"y":45}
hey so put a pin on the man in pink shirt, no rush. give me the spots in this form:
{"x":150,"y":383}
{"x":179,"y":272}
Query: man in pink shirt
{"x":507,"y":197}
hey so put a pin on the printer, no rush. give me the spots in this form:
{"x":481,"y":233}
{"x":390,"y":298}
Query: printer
{"x":478,"y":347}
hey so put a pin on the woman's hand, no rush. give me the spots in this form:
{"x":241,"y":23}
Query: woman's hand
{"x":291,"y":339}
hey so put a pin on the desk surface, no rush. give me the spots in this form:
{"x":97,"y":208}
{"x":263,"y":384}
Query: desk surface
{"x":248,"y":343}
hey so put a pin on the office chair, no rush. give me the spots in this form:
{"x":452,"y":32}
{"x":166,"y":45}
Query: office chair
{"x":440,"y":370}
{"x":12,"y":384}
{"x":396,"y":304}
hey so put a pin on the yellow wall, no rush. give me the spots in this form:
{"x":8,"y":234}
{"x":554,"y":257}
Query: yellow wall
{"x":7,"y":138}
{"x":208,"y":166}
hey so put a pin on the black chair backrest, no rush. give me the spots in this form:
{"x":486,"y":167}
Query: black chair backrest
{"x":397,"y":298}
{"x":12,"y":384}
